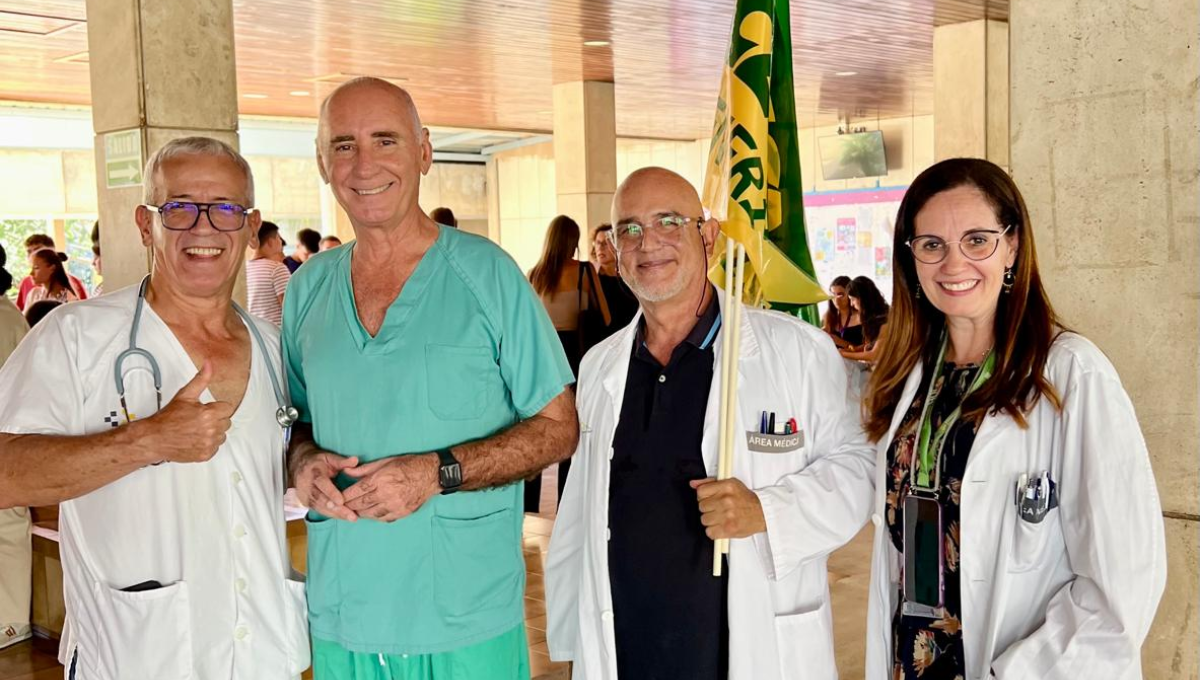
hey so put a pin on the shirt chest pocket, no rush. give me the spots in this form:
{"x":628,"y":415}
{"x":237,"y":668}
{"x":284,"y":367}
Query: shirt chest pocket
{"x":460,"y":381}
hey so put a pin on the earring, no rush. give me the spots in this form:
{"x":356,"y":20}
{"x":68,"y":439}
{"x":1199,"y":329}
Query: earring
{"x":1009,"y":280}
{"x":918,"y":290}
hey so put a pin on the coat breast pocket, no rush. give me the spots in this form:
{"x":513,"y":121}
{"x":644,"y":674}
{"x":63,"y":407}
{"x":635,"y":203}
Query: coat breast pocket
{"x":773,"y":456}
{"x":1034,"y":543}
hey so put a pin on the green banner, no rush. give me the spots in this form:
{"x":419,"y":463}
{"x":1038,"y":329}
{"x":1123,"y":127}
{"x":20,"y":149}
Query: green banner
{"x":753,"y":180}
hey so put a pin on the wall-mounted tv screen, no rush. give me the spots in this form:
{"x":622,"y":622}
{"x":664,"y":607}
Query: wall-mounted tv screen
{"x":854,"y":155}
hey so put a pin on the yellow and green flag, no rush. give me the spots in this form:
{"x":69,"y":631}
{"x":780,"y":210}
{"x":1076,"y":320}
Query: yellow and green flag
{"x":752,"y":183}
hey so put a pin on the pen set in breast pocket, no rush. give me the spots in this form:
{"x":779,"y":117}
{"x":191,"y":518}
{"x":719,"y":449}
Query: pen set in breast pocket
{"x":1035,"y":496}
{"x":775,"y":435}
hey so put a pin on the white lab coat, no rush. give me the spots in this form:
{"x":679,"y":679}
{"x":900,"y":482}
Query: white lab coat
{"x":1071,"y":597}
{"x":815,"y":499}
{"x":212,"y":533}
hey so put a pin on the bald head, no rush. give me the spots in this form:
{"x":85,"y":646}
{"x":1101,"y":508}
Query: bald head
{"x":401,"y":98}
{"x":666,"y":260}
{"x":654,"y":186}
{"x":372,"y":151}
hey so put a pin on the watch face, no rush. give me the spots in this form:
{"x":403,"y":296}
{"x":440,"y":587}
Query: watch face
{"x":450,"y":476}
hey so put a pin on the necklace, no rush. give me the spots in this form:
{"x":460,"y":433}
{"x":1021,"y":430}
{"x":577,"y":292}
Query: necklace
{"x":982,"y":355}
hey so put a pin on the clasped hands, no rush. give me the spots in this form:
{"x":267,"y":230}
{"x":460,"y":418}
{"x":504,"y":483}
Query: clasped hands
{"x":387,"y":489}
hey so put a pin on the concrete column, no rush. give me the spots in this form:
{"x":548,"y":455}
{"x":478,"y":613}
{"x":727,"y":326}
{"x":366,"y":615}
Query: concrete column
{"x":1106,"y":149}
{"x":159,"y":70}
{"x":970,"y":90}
{"x":585,"y":153}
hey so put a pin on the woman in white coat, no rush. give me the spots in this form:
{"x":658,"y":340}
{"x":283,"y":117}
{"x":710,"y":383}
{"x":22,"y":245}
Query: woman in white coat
{"x":1018,"y":526}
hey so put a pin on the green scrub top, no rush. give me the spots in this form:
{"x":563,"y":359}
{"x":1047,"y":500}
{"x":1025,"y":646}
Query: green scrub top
{"x":465,"y":351}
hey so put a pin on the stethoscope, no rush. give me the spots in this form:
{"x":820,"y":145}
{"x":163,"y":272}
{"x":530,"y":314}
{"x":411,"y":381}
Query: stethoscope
{"x":285,"y":415}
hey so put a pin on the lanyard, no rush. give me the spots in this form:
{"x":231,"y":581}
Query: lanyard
{"x":926,"y":460}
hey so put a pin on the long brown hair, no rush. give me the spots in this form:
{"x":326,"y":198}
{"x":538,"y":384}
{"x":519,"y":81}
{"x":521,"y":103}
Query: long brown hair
{"x":872,"y":308}
{"x":562,"y":242}
{"x":1025,"y":323}
{"x":833,"y":315}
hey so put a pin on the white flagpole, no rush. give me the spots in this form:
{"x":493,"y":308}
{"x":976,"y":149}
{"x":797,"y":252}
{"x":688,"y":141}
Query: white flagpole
{"x":735,"y":266}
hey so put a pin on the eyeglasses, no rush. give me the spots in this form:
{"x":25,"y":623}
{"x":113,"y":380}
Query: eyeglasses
{"x":184,"y":216}
{"x":628,"y":236}
{"x":975,"y":245}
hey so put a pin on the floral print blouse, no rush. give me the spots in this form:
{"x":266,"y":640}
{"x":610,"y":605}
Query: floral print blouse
{"x":932,"y":648}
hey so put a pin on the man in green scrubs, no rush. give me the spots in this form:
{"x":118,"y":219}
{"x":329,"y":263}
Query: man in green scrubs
{"x":430,"y":382}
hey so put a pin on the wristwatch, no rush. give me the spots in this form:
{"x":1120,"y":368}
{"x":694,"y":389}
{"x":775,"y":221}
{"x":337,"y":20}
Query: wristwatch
{"x":449,"y":472}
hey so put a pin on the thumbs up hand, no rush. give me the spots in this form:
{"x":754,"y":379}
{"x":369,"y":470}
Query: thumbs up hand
{"x":185,"y":430}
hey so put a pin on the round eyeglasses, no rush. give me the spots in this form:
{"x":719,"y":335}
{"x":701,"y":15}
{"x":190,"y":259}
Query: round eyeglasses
{"x":184,"y":215}
{"x":976,"y":245}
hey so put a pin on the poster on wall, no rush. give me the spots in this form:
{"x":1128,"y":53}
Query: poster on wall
{"x":824,"y":248}
{"x":846,"y":228}
{"x":864,"y":238}
{"x":883,"y":262}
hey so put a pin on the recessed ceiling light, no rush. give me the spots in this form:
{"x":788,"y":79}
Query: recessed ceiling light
{"x":596,"y":43}
{"x":843,"y":74}
{"x":255,"y":96}
{"x":299,"y":93}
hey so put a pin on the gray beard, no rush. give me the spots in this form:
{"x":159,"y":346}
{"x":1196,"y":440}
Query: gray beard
{"x":645,"y":295}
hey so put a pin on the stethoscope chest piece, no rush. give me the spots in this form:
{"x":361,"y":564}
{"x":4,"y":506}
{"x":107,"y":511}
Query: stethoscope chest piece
{"x":286,"y":416}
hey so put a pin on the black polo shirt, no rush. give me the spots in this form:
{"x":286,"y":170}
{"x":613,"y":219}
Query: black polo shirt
{"x":669,"y":612}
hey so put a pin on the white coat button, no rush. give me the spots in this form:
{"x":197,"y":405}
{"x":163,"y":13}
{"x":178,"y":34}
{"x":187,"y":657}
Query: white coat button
{"x":611,"y":452}
{"x":606,"y":616}
{"x":239,"y":531}
{"x":608,"y":534}
{"x":662,"y":378}
{"x":240,"y":584}
{"x":236,"y":477}
{"x":877,"y":519}
{"x":240,"y":633}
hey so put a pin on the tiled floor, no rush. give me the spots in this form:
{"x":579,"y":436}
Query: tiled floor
{"x":849,"y":571}
{"x":537,"y":539}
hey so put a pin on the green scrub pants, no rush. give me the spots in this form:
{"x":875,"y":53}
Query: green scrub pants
{"x":504,"y":657}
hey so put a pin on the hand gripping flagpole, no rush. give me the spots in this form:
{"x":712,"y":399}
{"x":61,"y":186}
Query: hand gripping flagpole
{"x":731,"y":340}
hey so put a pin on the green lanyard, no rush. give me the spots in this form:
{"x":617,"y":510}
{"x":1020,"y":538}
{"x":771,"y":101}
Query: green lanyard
{"x":919,"y":478}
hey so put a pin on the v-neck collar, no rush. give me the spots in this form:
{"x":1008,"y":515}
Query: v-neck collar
{"x":182,"y":358}
{"x":397,"y":312}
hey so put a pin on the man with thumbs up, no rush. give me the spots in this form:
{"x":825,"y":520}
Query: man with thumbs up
{"x":149,"y":414}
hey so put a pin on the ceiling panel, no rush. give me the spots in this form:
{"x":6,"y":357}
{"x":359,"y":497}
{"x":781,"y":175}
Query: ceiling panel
{"x":492,"y":63}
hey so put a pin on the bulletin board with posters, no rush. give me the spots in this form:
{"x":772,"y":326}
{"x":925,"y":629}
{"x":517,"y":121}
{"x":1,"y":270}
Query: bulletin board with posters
{"x":851,"y":234}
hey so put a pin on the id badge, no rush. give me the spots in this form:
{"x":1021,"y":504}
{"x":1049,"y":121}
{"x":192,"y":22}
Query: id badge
{"x":924,"y":587}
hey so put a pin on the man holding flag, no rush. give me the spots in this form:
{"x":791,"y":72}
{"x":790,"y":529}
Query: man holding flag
{"x":630,"y":591}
